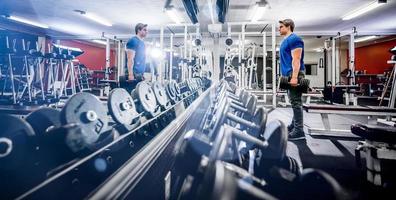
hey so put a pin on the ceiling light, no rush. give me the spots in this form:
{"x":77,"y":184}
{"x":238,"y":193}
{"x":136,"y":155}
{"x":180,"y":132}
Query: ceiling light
{"x":94,"y":18}
{"x":100,"y":42}
{"x":259,"y":10}
{"x":172,"y":13}
{"x":97,"y":19}
{"x":371,"y":6}
{"x":26,"y":21}
{"x":362,"y":39}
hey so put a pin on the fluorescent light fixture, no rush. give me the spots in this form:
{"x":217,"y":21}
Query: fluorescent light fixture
{"x":371,"y":6}
{"x":259,"y":10}
{"x":94,"y":17}
{"x":100,"y":42}
{"x":26,"y":21}
{"x":172,"y":13}
{"x":366,"y":38}
{"x":97,"y":19}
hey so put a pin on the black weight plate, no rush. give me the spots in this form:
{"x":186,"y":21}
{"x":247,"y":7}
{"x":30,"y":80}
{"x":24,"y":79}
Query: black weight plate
{"x":189,"y":85}
{"x":292,"y":165}
{"x":146,"y":97}
{"x":284,"y":83}
{"x":42,"y":119}
{"x":121,"y":106}
{"x":194,"y":84}
{"x":87,"y":111}
{"x":276,"y":136}
{"x":15,"y":142}
{"x":260,"y":119}
{"x":322,"y":185}
{"x":176,"y":87}
{"x":170,"y":89}
{"x":160,"y":94}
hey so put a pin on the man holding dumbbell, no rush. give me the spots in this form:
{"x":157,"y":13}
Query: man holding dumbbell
{"x":292,"y":65}
{"x":136,"y":57}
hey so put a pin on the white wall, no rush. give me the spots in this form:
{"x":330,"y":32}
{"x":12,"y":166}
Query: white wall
{"x":313,"y":58}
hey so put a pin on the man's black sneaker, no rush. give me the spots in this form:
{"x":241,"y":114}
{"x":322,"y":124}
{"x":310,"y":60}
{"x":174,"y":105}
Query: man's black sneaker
{"x":290,"y":127}
{"x":294,"y":135}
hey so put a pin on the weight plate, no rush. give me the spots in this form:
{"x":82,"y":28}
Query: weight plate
{"x":170,"y":89}
{"x":121,"y":106}
{"x":88,"y":112}
{"x":176,"y":87}
{"x":194,"y":82}
{"x":260,"y":119}
{"x":184,"y":87}
{"x":42,"y":119}
{"x":190,"y":85}
{"x":276,"y":136}
{"x":160,"y":94}
{"x":15,"y":142}
{"x":145,"y":95}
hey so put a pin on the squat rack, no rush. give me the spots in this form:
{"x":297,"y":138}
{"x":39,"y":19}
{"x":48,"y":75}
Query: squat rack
{"x":241,"y":47}
{"x":186,"y":52}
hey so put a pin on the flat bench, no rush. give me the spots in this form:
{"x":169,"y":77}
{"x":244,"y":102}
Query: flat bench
{"x":372,"y":112}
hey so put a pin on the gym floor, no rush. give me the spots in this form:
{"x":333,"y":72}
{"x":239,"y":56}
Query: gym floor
{"x":335,"y":155}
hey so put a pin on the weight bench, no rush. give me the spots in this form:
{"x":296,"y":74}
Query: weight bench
{"x":379,"y":146}
{"x":309,"y":95}
{"x":372,"y":112}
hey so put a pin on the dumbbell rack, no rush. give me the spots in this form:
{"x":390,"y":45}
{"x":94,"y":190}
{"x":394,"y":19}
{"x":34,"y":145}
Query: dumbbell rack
{"x":87,"y":178}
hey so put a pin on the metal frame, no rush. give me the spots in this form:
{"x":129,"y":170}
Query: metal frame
{"x":241,"y":47}
{"x":335,"y":70}
{"x":185,"y":53}
{"x":119,"y":56}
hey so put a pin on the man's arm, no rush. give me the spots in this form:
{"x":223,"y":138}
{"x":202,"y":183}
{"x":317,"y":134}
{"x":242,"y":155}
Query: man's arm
{"x":130,"y":56}
{"x":296,"y":62}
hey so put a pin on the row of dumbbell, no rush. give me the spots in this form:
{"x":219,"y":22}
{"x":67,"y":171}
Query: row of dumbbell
{"x":242,"y":156}
{"x":48,"y":137}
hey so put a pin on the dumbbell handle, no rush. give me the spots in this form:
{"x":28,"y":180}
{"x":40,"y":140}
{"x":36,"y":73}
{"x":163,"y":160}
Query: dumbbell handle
{"x":238,"y":107}
{"x":233,"y":97}
{"x":242,"y":121}
{"x":237,"y":103}
{"x":247,"y":138}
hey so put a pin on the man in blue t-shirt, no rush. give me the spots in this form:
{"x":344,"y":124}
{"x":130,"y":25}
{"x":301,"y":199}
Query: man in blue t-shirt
{"x":136,"y":57}
{"x":292,"y":64}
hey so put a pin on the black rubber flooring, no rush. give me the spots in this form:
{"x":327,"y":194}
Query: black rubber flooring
{"x":334,"y":155}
